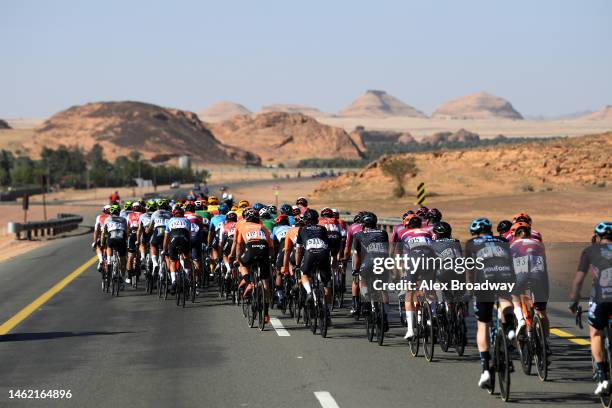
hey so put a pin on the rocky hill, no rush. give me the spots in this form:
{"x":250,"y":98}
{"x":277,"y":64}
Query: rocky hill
{"x":223,"y":110}
{"x":379,"y":104}
{"x":479,"y":105}
{"x":604,"y":114}
{"x":291,"y":108}
{"x":531,"y":166}
{"x":4,"y":124}
{"x":286,"y":137}
{"x":121,"y":127}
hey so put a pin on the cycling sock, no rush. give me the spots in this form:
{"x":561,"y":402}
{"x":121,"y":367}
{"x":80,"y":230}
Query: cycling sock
{"x":173,"y":276}
{"x":182,"y":261}
{"x":386,"y":308}
{"x":142,"y":256}
{"x":354,"y":301}
{"x":601,"y":371}
{"x":100,"y":258}
{"x":518,"y":312}
{"x":266,"y":306}
{"x":155,"y":263}
{"x":307,"y":287}
{"x":484,"y":360}
{"x":410,"y":319}
{"x":187,"y":271}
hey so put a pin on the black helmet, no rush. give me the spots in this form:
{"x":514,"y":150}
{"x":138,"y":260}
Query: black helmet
{"x":434,"y":215}
{"x":286,"y":209}
{"x":327,"y":212}
{"x":369,"y":220}
{"x":311,"y":217}
{"x":504,"y":226}
{"x":302,"y":201}
{"x":250,"y":215}
{"x":231,"y":217}
{"x":357,"y":217}
{"x":442,"y":229}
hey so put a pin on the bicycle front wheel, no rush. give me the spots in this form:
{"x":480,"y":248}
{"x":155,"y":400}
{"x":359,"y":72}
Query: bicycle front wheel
{"x":502,"y":364}
{"x":428,"y":332}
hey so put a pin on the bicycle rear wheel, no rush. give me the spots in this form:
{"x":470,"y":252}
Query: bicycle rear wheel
{"x":606,"y":399}
{"x":260,"y":307}
{"x":380,"y":323}
{"x":415,"y":340}
{"x":313,"y":313}
{"x":252,"y":307}
{"x":524,"y":348}
{"x":502,"y":364}
{"x":460,"y":331}
{"x":370,"y":323}
{"x":428,"y":332}
{"x":443,"y":328}
{"x":324,"y":320}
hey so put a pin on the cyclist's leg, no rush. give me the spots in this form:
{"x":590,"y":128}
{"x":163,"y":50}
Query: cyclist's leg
{"x":598,"y":319}
{"x":483,"y":311}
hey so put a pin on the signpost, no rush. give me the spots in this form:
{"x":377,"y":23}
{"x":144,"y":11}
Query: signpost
{"x":25,"y":204}
{"x":276,"y":193}
{"x":421,"y":194}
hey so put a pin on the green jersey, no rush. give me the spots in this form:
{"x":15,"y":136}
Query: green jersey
{"x":269,"y":224}
{"x":204,"y":214}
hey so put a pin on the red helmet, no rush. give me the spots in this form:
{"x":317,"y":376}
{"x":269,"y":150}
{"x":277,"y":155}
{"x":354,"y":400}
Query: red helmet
{"x":178,"y":212}
{"x":412,"y":221}
{"x":521,"y":217}
{"x":281,"y":219}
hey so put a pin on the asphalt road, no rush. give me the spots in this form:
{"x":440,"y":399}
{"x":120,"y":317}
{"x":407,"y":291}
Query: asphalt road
{"x":138,"y":351}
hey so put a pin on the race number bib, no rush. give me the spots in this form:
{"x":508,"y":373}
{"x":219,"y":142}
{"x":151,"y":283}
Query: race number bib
{"x":315,"y":243}
{"x":491,"y":251}
{"x":281,"y":235}
{"x":179,"y":223}
{"x":255,"y":235}
{"x":605,"y":278}
{"x":521,"y":264}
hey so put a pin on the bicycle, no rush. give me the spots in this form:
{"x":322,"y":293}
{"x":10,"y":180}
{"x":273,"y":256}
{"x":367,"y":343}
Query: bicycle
{"x":423,"y":330}
{"x":338,"y":285}
{"x":502,"y":363}
{"x":255,"y":309}
{"x":531,"y":340}
{"x":115,"y":273}
{"x":605,"y":398}
{"x":451,"y":326}
{"x":375,"y":317}
{"x":148,"y":273}
{"x":318,"y":312}
{"x":181,"y":286}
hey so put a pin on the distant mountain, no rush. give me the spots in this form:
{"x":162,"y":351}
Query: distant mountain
{"x":122,"y":127}
{"x":604,"y":114}
{"x":567,"y":116}
{"x":379,"y":104}
{"x":293,"y":108}
{"x":223,"y":110}
{"x":479,"y":105}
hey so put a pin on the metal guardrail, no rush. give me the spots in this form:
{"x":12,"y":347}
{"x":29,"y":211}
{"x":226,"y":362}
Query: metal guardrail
{"x":63,"y":223}
{"x":386,"y":223}
{"x":12,"y":195}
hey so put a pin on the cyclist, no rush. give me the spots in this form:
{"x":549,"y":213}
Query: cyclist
{"x":197,"y":239}
{"x":371,"y":244}
{"x":215,"y":231}
{"x":422,"y":213}
{"x":266,"y":218}
{"x":228,"y":229}
{"x":302,"y":204}
{"x":177,"y":243}
{"x":133,"y":221}
{"x":213,"y":205}
{"x":114,"y":236}
{"x":97,"y":234}
{"x":342,"y":225}
{"x":242,"y":204}
{"x":286,"y":210}
{"x":433,"y":216}
{"x":127,"y":208}
{"x":597,"y":259}
{"x":290,"y":246}
{"x":503,"y":227}
{"x":414,"y":242}
{"x":142,"y":237}
{"x":523,"y":217}
{"x":352,"y":229}
{"x":279,"y":234}
{"x":446,"y":247}
{"x":157,"y":230}
{"x":494,"y":253}
{"x":201,"y":209}
{"x":334,"y":234}
{"x":254,"y":248}
{"x":313,"y":255}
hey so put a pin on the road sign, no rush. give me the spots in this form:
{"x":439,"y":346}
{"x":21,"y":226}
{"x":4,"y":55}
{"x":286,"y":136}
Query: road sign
{"x":421,"y":194}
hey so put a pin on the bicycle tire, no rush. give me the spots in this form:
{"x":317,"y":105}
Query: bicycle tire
{"x":369,"y":320}
{"x":166,"y":282}
{"x":251,"y":307}
{"x":443,"y":328}
{"x":428,"y":332}
{"x":313,"y":312}
{"x":460,"y":331}
{"x":415,"y":340}
{"x":260,"y":308}
{"x":381,"y":317}
{"x":184,"y":288}
{"x":524,"y":348}
{"x":606,"y":399}
{"x":324,"y":320}
{"x":541,"y":352}
{"x":502,"y":365}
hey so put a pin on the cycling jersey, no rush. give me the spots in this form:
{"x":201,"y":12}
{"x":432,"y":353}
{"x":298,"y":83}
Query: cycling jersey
{"x":133,"y":220}
{"x":257,"y":243}
{"x":342,"y":227}
{"x":179,"y":237}
{"x":197,"y":233}
{"x":416,"y":243}
{"x":597,"y":258}
{"x":204,"y":214}
{"x":333,"y":233}
{"x":158,"y":225}
{"x":268,"y":223}
{"x":494,"y":253}
{"x":213,"y":209}
{"x":372,"y":245}
{"x":534,"y":235}
{"x":279,"y":233}
{"x":350,"y":233}
{"x":316,"y":257}
{"x":530,"y":268}
{"x":100,"y":219}
{"x":115,"y":231}
{"x":214,"y":227}
{"x":124,"y":213}
{"x":228,"y":230}
{"x":144,"y":221}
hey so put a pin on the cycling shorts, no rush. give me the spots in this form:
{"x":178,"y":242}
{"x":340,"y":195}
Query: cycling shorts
{"x":178,"y":244}
{"x":157,"y":240}
{"x":227,"y":245}
{"x":539,"y":287}
{"x":317,"y":261}
{"x":599,"y":313}
{"x":483,"y":310}
{"x":131,"y":245}
{"x":196,"y":249}
{"x":118,"y":244}
{"x":256,"y":254}
{"x":335,"y":245}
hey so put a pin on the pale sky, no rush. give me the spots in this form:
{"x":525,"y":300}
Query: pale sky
{"x":545,"y":56}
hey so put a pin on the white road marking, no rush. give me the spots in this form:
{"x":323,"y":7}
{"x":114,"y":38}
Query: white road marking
{"x":278,"y":326}
{"x":325,"y":399}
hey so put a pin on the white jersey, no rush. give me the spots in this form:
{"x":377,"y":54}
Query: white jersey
{"x":116,"y":227}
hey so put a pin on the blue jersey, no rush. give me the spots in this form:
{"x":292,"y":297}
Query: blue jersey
{"x":217,"y":220}
{"x":279,"y":232}
{"x":291,"y":220}
{"x":178,"y":223}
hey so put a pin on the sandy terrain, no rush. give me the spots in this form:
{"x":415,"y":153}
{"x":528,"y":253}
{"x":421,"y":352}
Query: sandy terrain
{"x":485,"y":128}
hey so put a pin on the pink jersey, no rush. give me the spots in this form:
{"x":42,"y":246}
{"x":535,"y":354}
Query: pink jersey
{"x":100,"y":220}
{"x":350,"y":233}
{"x":414,"y":235}
{"x":397,"y":230}
{"x":197,"y":224}
{"x":133,"y":219}
{"x":534,"y":235}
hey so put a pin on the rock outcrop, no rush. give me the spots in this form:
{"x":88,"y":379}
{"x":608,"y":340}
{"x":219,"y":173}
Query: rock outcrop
{"x":379,"y":104}
{"x":479,"y":105}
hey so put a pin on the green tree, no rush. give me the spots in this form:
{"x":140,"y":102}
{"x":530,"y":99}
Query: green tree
{"x":398,"y":168}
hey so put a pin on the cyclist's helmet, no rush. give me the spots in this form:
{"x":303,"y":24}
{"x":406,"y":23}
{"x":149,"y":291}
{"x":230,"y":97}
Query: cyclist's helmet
{"x":231,"y":217}
{"x":234,"y":208}
{"x":442,"y":230}
{"x":369,"y":220}
{"x":198,"y":205}
{"x":327,"y":213}
{"x":336,"y":213}
{"x":422,"y":212}
{"x":243,"y":203}
{"x":106,"y":208}
{"x":407,"y":213}
{"x":412,"y":221}
{"x":434,"y":215}
{"x":223,"y":209}
{"x":302,"y":201}
{"x":299,"y":221}
{"x":518,"y":226}
{"x":114,"y":209}
{"x":295,"y":210}
{"x":311,"y":217}
{"x":151,"y":206}
{"x":137,"y":206}
{"x":258,"y":206}
{"x":178,"y":211}
{"x":480,"y":225}
{"x":264,"y":214}
{"x":504,"y":226}
{"x":286,"y":209}
{"x":521,"y":217}
{"x":127,"y":206}
{"x":250,"y":215}
{"x":282,"y":219}
{"x":213,"y":200}
{"x":190,"y":206}
{"x":357,"y":217}
{"x":163,"y":204}
{"x":604,"y":230}
{"x":273,"y":209}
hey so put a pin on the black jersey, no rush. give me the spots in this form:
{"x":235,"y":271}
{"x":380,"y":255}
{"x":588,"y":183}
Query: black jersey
{"x":313,"y":238}
{"x":598,"y":259}
{"x":495,"y":258}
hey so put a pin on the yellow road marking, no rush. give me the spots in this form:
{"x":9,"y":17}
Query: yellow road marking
{"x":42,"y":299}
{"x":571,"y":337}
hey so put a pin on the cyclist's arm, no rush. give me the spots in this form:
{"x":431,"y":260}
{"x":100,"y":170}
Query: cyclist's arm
{"x":270,"y":244}
{"x":211,"y":234}
{"x":288,"y":247}
{"x":581,"y":273}
{"x":238,"y":242}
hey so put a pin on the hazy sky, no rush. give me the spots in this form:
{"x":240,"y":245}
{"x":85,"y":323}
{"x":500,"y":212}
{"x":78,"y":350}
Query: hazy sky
{"x":546,"y":57}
